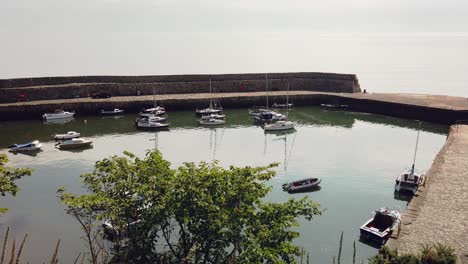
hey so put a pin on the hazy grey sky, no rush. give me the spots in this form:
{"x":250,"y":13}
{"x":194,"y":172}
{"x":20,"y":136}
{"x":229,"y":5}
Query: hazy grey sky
{"x":405,"y":39}
{"x":240,"y":15}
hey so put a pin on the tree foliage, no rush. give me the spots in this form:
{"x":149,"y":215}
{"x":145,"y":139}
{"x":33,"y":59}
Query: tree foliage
{"x":197,"y":213}
{"x":8,"y":178}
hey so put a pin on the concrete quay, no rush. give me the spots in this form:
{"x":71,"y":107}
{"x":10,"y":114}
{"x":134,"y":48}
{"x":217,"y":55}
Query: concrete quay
{"x":438,"y":213}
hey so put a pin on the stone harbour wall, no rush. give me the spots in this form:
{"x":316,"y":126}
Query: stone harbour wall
{"x":49,"y":88}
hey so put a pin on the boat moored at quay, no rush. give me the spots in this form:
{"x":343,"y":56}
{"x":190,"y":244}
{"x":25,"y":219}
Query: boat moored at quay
{"x":58,"y":114}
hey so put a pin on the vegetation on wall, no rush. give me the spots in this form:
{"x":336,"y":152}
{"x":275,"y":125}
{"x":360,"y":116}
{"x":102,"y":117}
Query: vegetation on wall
{"x":430,"y":254}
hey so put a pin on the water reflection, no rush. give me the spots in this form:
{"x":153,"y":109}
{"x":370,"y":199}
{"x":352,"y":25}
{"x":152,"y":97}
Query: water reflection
{"x":112,"y":117}
{"x":28,"y":153}
{"x":309,"y":190}
{"x":22,"y":131}
{"x":59,"y":121}
{"x":402,"y":196}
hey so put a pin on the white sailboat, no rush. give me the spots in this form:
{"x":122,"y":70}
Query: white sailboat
{"x":211,"y":121}
{"x":287,"y":105}
{"x":213,"y":108}
{"x":258,"y":110}
{"x":155,"y":110}
{"x":152,"y":125}
{"x":265,"y":115}
{"x":279,"y":126}
{"x":410,"y":180}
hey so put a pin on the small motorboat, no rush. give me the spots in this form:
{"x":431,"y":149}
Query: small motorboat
{"x":209,"y":121}
{"x":74,"y":143}
{"x":116,"y":111}
{"x":301,"y":185}
{"x":58,"y":114}
{"x":381,"y":225}
{"x":152,"y":125}
{"x":28,"y":147}
{"x":68,"y":135}
{"x":279,"y":126}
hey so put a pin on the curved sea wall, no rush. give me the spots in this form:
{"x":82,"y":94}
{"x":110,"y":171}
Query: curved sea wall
{"x":48,"y":88}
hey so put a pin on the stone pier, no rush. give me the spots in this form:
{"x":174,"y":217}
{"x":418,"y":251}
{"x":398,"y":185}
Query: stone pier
{"x":439,"y":211}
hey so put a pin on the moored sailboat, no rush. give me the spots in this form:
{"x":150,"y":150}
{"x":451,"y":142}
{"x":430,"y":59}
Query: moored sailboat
{"x":211,"y":121}
{"x":279,"y":126}
{"x":286,"y":105}
{"x":410,"y":180}
{"x":213,"y":108}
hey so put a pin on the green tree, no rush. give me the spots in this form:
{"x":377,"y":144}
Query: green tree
{"x":8,"y":178}
{"x":198,"y":213}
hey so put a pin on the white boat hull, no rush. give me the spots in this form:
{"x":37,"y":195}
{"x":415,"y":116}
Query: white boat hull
{"x":279,"y":126}
{"x":54,"y":116}
{"x":214,"y":122}
{"x":33,"y":146}
{"x":114,"y":112}
{"x":409,"y":184}
{"x":152,"y":125}
{"x":74,"y":143}
{"x":66,"y":136}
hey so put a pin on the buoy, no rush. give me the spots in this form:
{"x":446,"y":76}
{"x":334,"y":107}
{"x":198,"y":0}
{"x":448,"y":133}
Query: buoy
{"x":85,"y":121}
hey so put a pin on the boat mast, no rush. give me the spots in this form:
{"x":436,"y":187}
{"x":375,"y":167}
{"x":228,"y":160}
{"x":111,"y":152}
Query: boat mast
{"x":415,"y":151}
{"x":266,"y":75}
{"x":211,"y":97}
{"x":287,"y":96}
{"x":154,"y":99}
{"x":285,"y":150}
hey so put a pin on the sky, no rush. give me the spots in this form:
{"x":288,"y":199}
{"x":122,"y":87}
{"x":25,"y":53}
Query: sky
{"x":62,"y":16}
{"x":141,"y":37}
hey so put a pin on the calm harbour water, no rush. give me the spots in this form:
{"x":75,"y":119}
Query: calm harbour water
{"x":357,"y":156}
